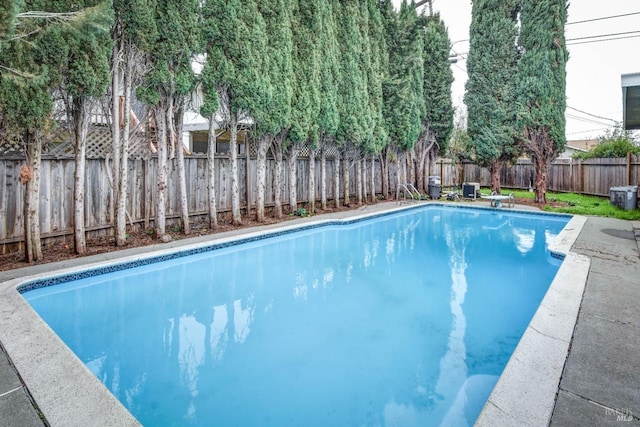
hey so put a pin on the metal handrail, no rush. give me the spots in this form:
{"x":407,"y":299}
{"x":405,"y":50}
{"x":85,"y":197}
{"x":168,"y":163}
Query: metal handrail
{"x":407,"y":188}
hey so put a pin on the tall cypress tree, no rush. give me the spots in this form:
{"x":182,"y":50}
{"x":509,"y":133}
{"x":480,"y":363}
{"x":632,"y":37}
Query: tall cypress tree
{"x":437,"y":122}
{"x":82,"y":51}
{"x":26,"y":110}
{"x":169,"y":82}
{"x":328,"y":116}
{"x":134,"y":30}
{"x":50,"y":57}
{"x":353,"y":103}
{"x":8,"y":11}
{"x":273,"y":121}
{"x":542,"y":84}
{"x":404,"y":101}
{"x":490,"y":90}
{"x":306,"y":89}
{"x":376,"y":76}
{"x":234,"y":70}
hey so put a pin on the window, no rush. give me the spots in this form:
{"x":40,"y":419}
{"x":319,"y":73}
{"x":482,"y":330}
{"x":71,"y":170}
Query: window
{"x":200,"y":143}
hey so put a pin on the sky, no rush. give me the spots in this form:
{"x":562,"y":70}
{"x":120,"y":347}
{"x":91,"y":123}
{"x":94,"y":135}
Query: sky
{"x":594,"y":69}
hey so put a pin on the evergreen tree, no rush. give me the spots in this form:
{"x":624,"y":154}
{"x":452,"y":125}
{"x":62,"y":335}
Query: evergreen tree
{"x":377,"y":73}
{"x":134,"y":31}
{"x":82,"y":51}
{"x":234,"y":69}
{"x":67,"y":55}
{"x":272,"y":122}
{"x":438,"y":120}
{"x":542,"y":84}
{"x":306,"y":89}
{"x":328,"y":116}
{"x":8,"y":11}
{"x":26,"y":111}
{"x":403,"y":93}
{"x":353,"y":103}
{"x":490,"y":90}
{"x":169,"y":83}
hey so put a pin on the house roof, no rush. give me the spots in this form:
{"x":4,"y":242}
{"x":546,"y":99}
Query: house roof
{"x":631,"y":101}
{"x":582,"y":144}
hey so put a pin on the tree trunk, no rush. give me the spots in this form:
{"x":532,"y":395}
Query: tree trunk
{"x":423,"y":174}
{"x":292,"y":159}
{"x":122,"y":178}
{"x":278,"y":155}
{"x":31,"y":179}
{"x":161,"y":141}
{"x":235,"y":188}
{"x":323,"y":178}
{"x":359,"y":182}
{"x":211,"y":173}
{"x":261,"y":175}
{"x":365,"y":180}
{"x":542,"y":150}
{"x":336,"y":179}
{"x":182,"y":177}
{"x":373,"y":179}
{"x":115,"y":123}
{"x":384,"y":173}
{"x":494,"y":170}
{"x":345,"y":179}
{"x":410,"y":167}
{"x":312,"y":179}
{"x":541,"y":168}
{"x":81,"y":118}
{"x":400,"y":170}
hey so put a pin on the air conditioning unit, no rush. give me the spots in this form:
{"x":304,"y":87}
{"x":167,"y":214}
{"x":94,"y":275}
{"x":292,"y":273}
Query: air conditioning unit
{"x":470,"y":190}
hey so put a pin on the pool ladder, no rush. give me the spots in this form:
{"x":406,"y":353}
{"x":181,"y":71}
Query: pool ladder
{"x":407,"y":189}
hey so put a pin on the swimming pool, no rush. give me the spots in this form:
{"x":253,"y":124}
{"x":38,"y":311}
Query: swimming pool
{"x":381,"y":331}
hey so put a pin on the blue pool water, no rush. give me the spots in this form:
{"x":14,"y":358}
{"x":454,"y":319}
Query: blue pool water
{"x":399,"y":320}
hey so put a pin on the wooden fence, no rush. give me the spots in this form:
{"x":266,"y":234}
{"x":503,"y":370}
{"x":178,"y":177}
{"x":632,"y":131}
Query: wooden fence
{"x":593,"y":176}
{"x":56,"y":193}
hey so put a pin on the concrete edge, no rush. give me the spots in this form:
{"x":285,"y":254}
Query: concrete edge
{"x":526,"y":391}
{"x":66,"y":391}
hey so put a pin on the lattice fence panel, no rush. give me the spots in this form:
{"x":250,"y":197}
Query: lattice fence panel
{"x":253,"y":147}
{"x":98,"y":143}
{"x":331,"y":150}
{"x":304,"y":150}
{"x":10,"y":149}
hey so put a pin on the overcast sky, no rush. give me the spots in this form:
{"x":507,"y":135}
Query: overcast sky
{"x":594,"y":92}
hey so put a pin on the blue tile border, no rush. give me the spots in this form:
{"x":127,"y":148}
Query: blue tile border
{"x":64,"y":278}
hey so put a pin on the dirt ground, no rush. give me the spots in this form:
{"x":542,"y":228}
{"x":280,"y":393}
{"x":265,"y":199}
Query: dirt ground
{"x":64,"y":251}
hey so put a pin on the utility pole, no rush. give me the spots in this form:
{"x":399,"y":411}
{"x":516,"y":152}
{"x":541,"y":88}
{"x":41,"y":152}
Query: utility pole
{"x":422,"y":2}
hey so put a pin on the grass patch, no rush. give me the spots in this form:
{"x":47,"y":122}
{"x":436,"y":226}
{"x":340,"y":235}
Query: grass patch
{"x":579,"y":204}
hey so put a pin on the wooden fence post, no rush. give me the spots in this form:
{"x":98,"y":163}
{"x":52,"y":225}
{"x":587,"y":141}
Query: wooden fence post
{"x":580,"y":177}
{"x":628,"y":174}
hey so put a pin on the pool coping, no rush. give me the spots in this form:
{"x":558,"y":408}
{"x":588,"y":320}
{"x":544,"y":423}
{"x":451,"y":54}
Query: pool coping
{"x":68,"y":393}
{"x":525,"y":393}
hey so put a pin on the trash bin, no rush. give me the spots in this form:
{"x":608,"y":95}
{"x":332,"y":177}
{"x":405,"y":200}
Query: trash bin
{"x":625,"y":198}
{"x":435,"y":187}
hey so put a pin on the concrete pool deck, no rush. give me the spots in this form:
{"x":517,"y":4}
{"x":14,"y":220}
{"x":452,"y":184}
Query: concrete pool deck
{"x":600,"y":373}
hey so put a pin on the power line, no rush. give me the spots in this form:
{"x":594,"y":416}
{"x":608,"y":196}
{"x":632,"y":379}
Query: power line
{"x":603,"y":40}
{"x":592,"y":115}
{"x":602,"y":18}
{"x":587,"y":131}
{"x":604,"y":35}
{"x":587,"y":120}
